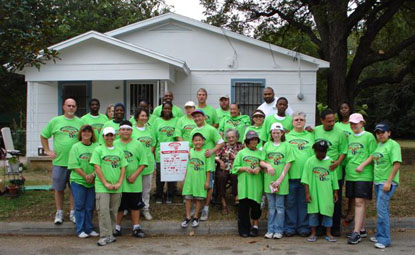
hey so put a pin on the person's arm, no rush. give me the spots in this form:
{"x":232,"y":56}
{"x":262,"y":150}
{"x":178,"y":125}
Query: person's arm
{"x":119,"y":183}
{"x":337,"y":162}
{"x":283,"y":174}
{"x":364,"y":164}
{"x":137,"y":173}
{"x":217,"y":147}
{"x":101,"y":177}
{"x":45,"y":145}
{"x":336,"y":195}
{"x":388,"y":183}
{"x":207,"y":180}
{"x":268,"y":167}
{"x":307,"y":193}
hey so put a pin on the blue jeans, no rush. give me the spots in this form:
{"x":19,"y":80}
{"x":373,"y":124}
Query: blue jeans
{"x":84,"y":199}
{"x":382,"y":206}
{"x":275,"y":213}
{"x":326,"y":221}
{"x":296,"y":217}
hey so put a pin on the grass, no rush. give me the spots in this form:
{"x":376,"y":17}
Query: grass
{"x":407,"y":144}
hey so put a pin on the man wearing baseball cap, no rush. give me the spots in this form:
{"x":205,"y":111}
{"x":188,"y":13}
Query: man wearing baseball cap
{"x":223,"y":110}
{"x":185,"y":124}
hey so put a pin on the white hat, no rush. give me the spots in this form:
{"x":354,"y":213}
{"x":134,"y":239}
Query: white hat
{"x":190,"y":104}
{"x":224,"y":96}
{"x":356,"y":118}
{"x":276,"y":126}
{"x":108,"y":130}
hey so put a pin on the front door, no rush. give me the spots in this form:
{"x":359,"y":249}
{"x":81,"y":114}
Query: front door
{"x":139,"y":91}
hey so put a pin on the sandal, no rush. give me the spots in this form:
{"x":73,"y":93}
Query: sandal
{"x":312,"y":238}
{"x":330,"y":239}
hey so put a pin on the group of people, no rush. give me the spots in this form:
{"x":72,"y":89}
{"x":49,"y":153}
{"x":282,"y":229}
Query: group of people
{"x":270,"y":156}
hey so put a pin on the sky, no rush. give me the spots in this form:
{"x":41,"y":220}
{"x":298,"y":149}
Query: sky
{"x":190,"y":8}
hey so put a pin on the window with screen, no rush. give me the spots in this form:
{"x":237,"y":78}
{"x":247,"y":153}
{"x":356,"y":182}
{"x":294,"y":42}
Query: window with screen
{"x":247,"y":93}
{"x":78,"y":91}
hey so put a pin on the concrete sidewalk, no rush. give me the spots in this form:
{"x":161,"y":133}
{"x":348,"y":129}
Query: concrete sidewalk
{"x":157,"y":228}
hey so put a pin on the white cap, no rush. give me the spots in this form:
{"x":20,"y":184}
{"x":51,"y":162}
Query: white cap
{"x":276,"y":126}
{"x":108,"y":130}
{"x":190,"y":104}
{"x":224,"y":96}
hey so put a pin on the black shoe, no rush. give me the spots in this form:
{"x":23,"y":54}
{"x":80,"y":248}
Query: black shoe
{"x":336,"y":232}
{"x":363,"y":234}
{"x":354,"y":238}
{"x":253,"y":232}
{"x":159,"y":200}
{"x":244,"y":235}
{"x":138,"y":232}
{"x":289,"y":234}
{"x":169,"y":200}
{"x":117,"y":233}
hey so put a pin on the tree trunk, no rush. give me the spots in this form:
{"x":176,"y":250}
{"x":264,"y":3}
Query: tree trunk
{"x":336,"y":87}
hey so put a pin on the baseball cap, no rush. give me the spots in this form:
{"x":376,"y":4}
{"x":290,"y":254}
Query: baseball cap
{"x":382,"y":127}
{"x":356,"y":118}
{"x":108,"y":130}
{"x":276,"y":126}
{"x":224,"y":96}
{"x":321,"y":145}
{"x":251,"y":135}
{"x":198,"y":111}
{"x":190,"y":104}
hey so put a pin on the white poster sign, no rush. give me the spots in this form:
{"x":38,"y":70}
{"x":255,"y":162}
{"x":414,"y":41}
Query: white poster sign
{"x":173,"y":160}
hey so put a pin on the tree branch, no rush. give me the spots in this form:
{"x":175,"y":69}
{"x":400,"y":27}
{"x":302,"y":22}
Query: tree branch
{"x":358,"y":14}
{"x":376,"y":57}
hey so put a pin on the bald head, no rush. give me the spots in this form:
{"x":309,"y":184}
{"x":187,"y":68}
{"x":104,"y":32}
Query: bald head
{"x":69,"y":107}
{"x":269,"y":95}
{"x":168,"y":97}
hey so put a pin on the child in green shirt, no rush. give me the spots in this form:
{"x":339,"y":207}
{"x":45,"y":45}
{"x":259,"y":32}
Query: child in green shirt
{"x":321,"y":190}
{"x":280,"y":116}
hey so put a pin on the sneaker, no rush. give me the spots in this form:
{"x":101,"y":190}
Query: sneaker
{"x":83,"y":235}
{"x":93,"y":234}
{"x":138,"y":232}
{"x":72,"y":216}
{"x":169,"y":199}
{"x":205,"y":215}
{"x":363,"y":234}
{"x":355,"y":238}
{"x":289,"y":234}
{"x":185,"y":223}
{"x":380,"y":246}
{"x":111,"y":239}
{"x":117,"y":232}
{"x":268,"y":235}
{"x":159,"y":200}
{"x":253,"y":232}
{"x":373,"y":239}
{"x":195,"y":222}
{"x":277,"y":236}
{"x":59,"y":217}
{"x":102,"y":241}
{"x":147,"y":215}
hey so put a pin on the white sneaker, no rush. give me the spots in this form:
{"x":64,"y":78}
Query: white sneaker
{"x":373,"y":239}
{"x":205,"y":215}
{"x":195,"y":223}
{"x":83,"y":235}
{"x":59,"y":217}
{"x":147,"y":215}
{"x":93,"y":234}
{"x":268,"y":235}
{"x":102,"y":241}
{"x":277,"y":236}
{"x":380,"y":246}
{"x":72,"y":216}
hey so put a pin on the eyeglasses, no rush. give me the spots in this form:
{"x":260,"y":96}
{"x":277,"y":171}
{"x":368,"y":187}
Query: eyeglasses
{"x":70,"y":105}
{"x":299,"y":119}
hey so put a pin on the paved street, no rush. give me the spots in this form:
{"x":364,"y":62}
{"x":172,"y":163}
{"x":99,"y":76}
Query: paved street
{"x":403,"y":243}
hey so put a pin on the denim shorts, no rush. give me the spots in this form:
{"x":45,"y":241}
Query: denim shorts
{"x":60,"y":177}
{"x":315,"y":222}
{"x":211,"y":180}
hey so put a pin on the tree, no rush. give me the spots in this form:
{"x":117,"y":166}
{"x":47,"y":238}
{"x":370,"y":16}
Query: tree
{"x":328,"y":24}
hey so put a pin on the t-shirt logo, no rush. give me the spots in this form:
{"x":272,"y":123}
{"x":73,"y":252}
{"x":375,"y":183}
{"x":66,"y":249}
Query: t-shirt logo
{"x":85,"y":156}
{"x":196,"y":163}
{"x":113,"y":160}
{"x":167,"y":131}
{"x":252,"y":161}
{"x":128,"y":156}
{"x":347,"y":133}
{"x":378,"y":158}
{"x":301,"y":144}
{"x":276,"y":157}
{"x":97,"y":127}
{"x":322,"y":173}
{"x":189,"y":127}
{"x":355,"y":148}
{"x":71,"y":131}
{"x":145,"y":140}
{"x":233,"y":122}
{"x":327,"y":141}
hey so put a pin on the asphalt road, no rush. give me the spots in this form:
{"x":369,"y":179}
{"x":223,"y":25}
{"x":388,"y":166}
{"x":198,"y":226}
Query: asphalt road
{"x":403,"y":243}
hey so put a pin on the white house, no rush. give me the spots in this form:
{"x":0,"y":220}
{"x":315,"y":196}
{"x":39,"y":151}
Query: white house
{"x":173,"y":52}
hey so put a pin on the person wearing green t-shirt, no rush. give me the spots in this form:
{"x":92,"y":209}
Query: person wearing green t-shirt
{"x":387,"y":160}
{"x":144,"y":134}
{"x":235,"y":121}
{"x":132,"y":187}
{"x":223,"y":110}
{"x":278,"y":153}
{"x":258,"y":117}
{"x":196,"y":181}
{"x":94,"y":118}
{"x":247,"y":165}
{"x":210,"y":112}
{"x":280,"y":117}
{"x":301,"y":141}
{"x":82,"y":181}
{"x":337,"y":141}
{"x":64,"y":131}
{"x":185,"y":124}
{"x":321,"y":188}
{"x":212,"y":144}
{"x":168,"y":98}
{"x":163,"y":131}
{"x":119,"y":115}
{"x":109,"y":164}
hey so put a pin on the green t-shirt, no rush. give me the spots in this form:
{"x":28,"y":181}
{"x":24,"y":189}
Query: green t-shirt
{"x":211,"y":135}
{"x":359,"y":149}
{"x":384,"y":156}
{"x":250,"y":186}
{"x":239,"y":123}
{"x":111,"y":161}
{"x":337,"y":144}
{"x":136,"y":157}
{"x":145,"y":137}
{"x":65,"y":134}
{"x":221,"y":113}
{"x":321,"y":184}
{"x":97,"y":122}
{"x":258,"y":130}
{"x":197,"y":166}
{"x":302,"y":145}
{"x":177,"y":113}
{"x":184,"y":127}
{"x":287,"y":123}
{"x":113,"y":124}
{"x":345,"y":127}
{"x":210,"y":115}
{"x":79,"y":157}
{"x":278,"y":156}
{"x":163,"y":131}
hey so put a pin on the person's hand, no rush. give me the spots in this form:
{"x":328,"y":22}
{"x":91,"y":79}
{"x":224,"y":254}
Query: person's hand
{"x":208,"y":153}
{"x":307,"y":198}
{"x":108,"y":186}
{"x":116,"y":186}
{"x":336,"y":197}
{"x":90,"y":178}
{"x":271,"y":170}
{"x":309,"y":129}
{"x":333,"y":165}
{"x":387,"y":186}
{"x":222,"y":165}
{"x":277,"y":184}
{"x":256,"y":170}
{"x":51,"y":154}
{"x":132,"y":178}
{"x":207,"y":185}
{"x":359,"y":169}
